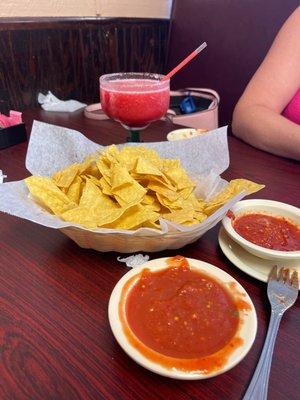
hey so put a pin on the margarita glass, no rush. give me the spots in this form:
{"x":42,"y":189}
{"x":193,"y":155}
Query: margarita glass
{"x":135,"y":99}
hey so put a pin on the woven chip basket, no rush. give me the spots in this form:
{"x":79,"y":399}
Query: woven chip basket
{"x":124,"y":243}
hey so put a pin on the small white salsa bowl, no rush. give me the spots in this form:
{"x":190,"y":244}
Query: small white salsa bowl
{"x":247,"y":319}
{"x":185,"y":133}
{"x":270,"y":207}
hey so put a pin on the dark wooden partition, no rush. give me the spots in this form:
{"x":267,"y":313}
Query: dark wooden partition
{"x":67,"y":56}
{"x":238,"y":33}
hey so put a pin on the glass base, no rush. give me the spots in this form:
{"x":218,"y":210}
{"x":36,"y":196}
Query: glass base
{"x":132,"y":128}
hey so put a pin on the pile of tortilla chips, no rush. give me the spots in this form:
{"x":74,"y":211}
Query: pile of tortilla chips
{"x":127,"y":189}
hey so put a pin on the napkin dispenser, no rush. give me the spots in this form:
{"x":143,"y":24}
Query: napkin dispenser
{"x":12,"y":135}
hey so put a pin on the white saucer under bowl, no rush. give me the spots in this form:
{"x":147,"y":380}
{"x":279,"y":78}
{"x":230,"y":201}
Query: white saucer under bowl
{"x":254,"y":266}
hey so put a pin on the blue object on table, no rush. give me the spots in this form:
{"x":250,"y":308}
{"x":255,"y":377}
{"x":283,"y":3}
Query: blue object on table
{"x":187,"y":105}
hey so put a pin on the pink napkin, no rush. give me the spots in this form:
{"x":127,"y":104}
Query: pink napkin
{"x":14,"y":118}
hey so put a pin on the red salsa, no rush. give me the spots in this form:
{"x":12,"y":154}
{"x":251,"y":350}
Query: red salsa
{"x":271,"y":232}
{"x":182,"y":314}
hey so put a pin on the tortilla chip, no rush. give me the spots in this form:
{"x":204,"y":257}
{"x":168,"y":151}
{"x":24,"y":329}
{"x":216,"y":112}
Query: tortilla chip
{"x":93,"y":197}
{"x":145,"y":167}
{"x":180,"y":216}
{"x":164,"y":191}
{"x":238,"y":185}
{"x":134,"y":217}
{"x":65,"y":177}
{"x":75,"y":189}
{"x":120,"y":177}
{"x":45,"y":191}
{"x":129,"y":155}
{"x":105,"y":186}
{"x":130,"y":194}
{"x":92,"y":217}
{"x":104,"y":169}
{"x":233,"y":188}
{"x":89,"y":167}
{"x":179,"y":177}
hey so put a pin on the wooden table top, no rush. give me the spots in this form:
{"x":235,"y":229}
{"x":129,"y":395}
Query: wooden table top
{"x":56,"y":342}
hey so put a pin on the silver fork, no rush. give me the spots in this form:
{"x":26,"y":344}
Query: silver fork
{"x":283,"y":288}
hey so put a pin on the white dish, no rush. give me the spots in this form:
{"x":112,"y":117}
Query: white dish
{"x":247,"y":330}
{"x":254,"y":266}
{"x":185,"y":133}
{"x":269,"y":207}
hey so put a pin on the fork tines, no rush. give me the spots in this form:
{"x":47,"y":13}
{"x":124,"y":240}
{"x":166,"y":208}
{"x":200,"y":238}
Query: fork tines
{"x":285,"y":275}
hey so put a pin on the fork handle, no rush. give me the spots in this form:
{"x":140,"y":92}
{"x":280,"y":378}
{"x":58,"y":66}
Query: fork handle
{"x":258,"y":388}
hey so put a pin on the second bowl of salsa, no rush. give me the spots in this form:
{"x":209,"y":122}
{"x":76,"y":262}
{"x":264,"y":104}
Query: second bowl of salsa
{"x":265,"y":228}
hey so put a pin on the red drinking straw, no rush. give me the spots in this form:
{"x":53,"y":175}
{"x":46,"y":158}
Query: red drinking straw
{"x":185,"y":61}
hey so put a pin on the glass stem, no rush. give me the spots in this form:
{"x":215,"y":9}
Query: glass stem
{"x":134,"y":137}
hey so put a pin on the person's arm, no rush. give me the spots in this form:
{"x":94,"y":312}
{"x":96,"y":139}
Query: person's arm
{"x":257,"y":116}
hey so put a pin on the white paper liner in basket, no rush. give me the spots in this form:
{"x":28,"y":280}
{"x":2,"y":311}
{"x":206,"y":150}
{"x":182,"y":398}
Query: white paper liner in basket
{"x":52,"y":148}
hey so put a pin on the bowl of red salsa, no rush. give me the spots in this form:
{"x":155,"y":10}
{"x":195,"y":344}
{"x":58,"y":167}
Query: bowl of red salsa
{"x":182,"y":318}
{"x":265,"y":228}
